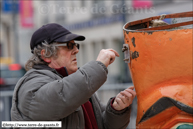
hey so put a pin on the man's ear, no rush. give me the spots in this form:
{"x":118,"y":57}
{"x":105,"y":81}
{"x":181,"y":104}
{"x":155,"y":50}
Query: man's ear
{"x":48,"y":60}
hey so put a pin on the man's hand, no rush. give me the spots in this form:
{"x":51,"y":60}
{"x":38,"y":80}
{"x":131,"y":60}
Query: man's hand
{"x":107,"y":56}
{"x":124,"y":98}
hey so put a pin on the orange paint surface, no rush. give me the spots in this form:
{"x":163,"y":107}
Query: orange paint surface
{"x":164,"y":68}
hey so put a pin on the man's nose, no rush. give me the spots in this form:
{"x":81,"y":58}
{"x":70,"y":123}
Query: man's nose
{"x":75,"y":50}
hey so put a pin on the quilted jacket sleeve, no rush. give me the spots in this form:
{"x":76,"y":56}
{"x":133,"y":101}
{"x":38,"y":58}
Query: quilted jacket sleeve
{"x":57,"y":98}
{"x":113,"y":119}
{"x":109,"y":118}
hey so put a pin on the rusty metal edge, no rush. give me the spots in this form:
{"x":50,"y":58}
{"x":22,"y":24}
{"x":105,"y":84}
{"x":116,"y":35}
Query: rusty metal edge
{"x":169,"y":26}
{"x":147,"y":20}
{"x":151,"y":31}
{"x":175,"y":15}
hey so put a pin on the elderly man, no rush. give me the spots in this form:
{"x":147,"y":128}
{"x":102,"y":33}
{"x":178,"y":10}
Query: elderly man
{"x":54,"y":89}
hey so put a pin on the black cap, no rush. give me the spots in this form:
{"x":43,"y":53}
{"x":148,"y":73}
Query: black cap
{"x":53,"y":33}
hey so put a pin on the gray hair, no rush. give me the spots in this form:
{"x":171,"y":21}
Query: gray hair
{"x":50,"y":51}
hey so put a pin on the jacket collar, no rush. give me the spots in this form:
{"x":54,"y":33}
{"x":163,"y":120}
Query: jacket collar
{"x":46,"y":67}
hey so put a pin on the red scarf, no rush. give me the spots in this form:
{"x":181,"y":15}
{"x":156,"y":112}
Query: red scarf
{"x":90,"y":120}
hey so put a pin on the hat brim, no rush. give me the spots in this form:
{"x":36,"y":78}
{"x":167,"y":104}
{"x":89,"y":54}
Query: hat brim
{"x":70,"y":37}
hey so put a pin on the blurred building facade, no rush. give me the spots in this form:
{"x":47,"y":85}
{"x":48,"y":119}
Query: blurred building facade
{"x":101,"y":22}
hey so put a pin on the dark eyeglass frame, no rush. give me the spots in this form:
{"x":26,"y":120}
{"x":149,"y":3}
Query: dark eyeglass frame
{"x":69,"y":45}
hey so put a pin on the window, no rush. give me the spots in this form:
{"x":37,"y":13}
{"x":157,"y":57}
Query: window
{"x":83,"y":3}
{"x":159,"y":2}
{"x":1,"y":52}
{"x":104,"y":44}
{"x":83,"y":53}
{"x":98,"y":8}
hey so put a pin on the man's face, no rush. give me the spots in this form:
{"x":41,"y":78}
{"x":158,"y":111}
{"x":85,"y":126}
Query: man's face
{"x":66,"y":58}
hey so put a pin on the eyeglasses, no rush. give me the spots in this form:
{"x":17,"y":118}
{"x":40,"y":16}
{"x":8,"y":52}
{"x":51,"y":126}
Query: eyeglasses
{"x":69,"y":45}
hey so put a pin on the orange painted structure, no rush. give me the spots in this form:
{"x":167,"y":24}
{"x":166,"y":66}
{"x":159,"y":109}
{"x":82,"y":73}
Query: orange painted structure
{"x":161,"y":66}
